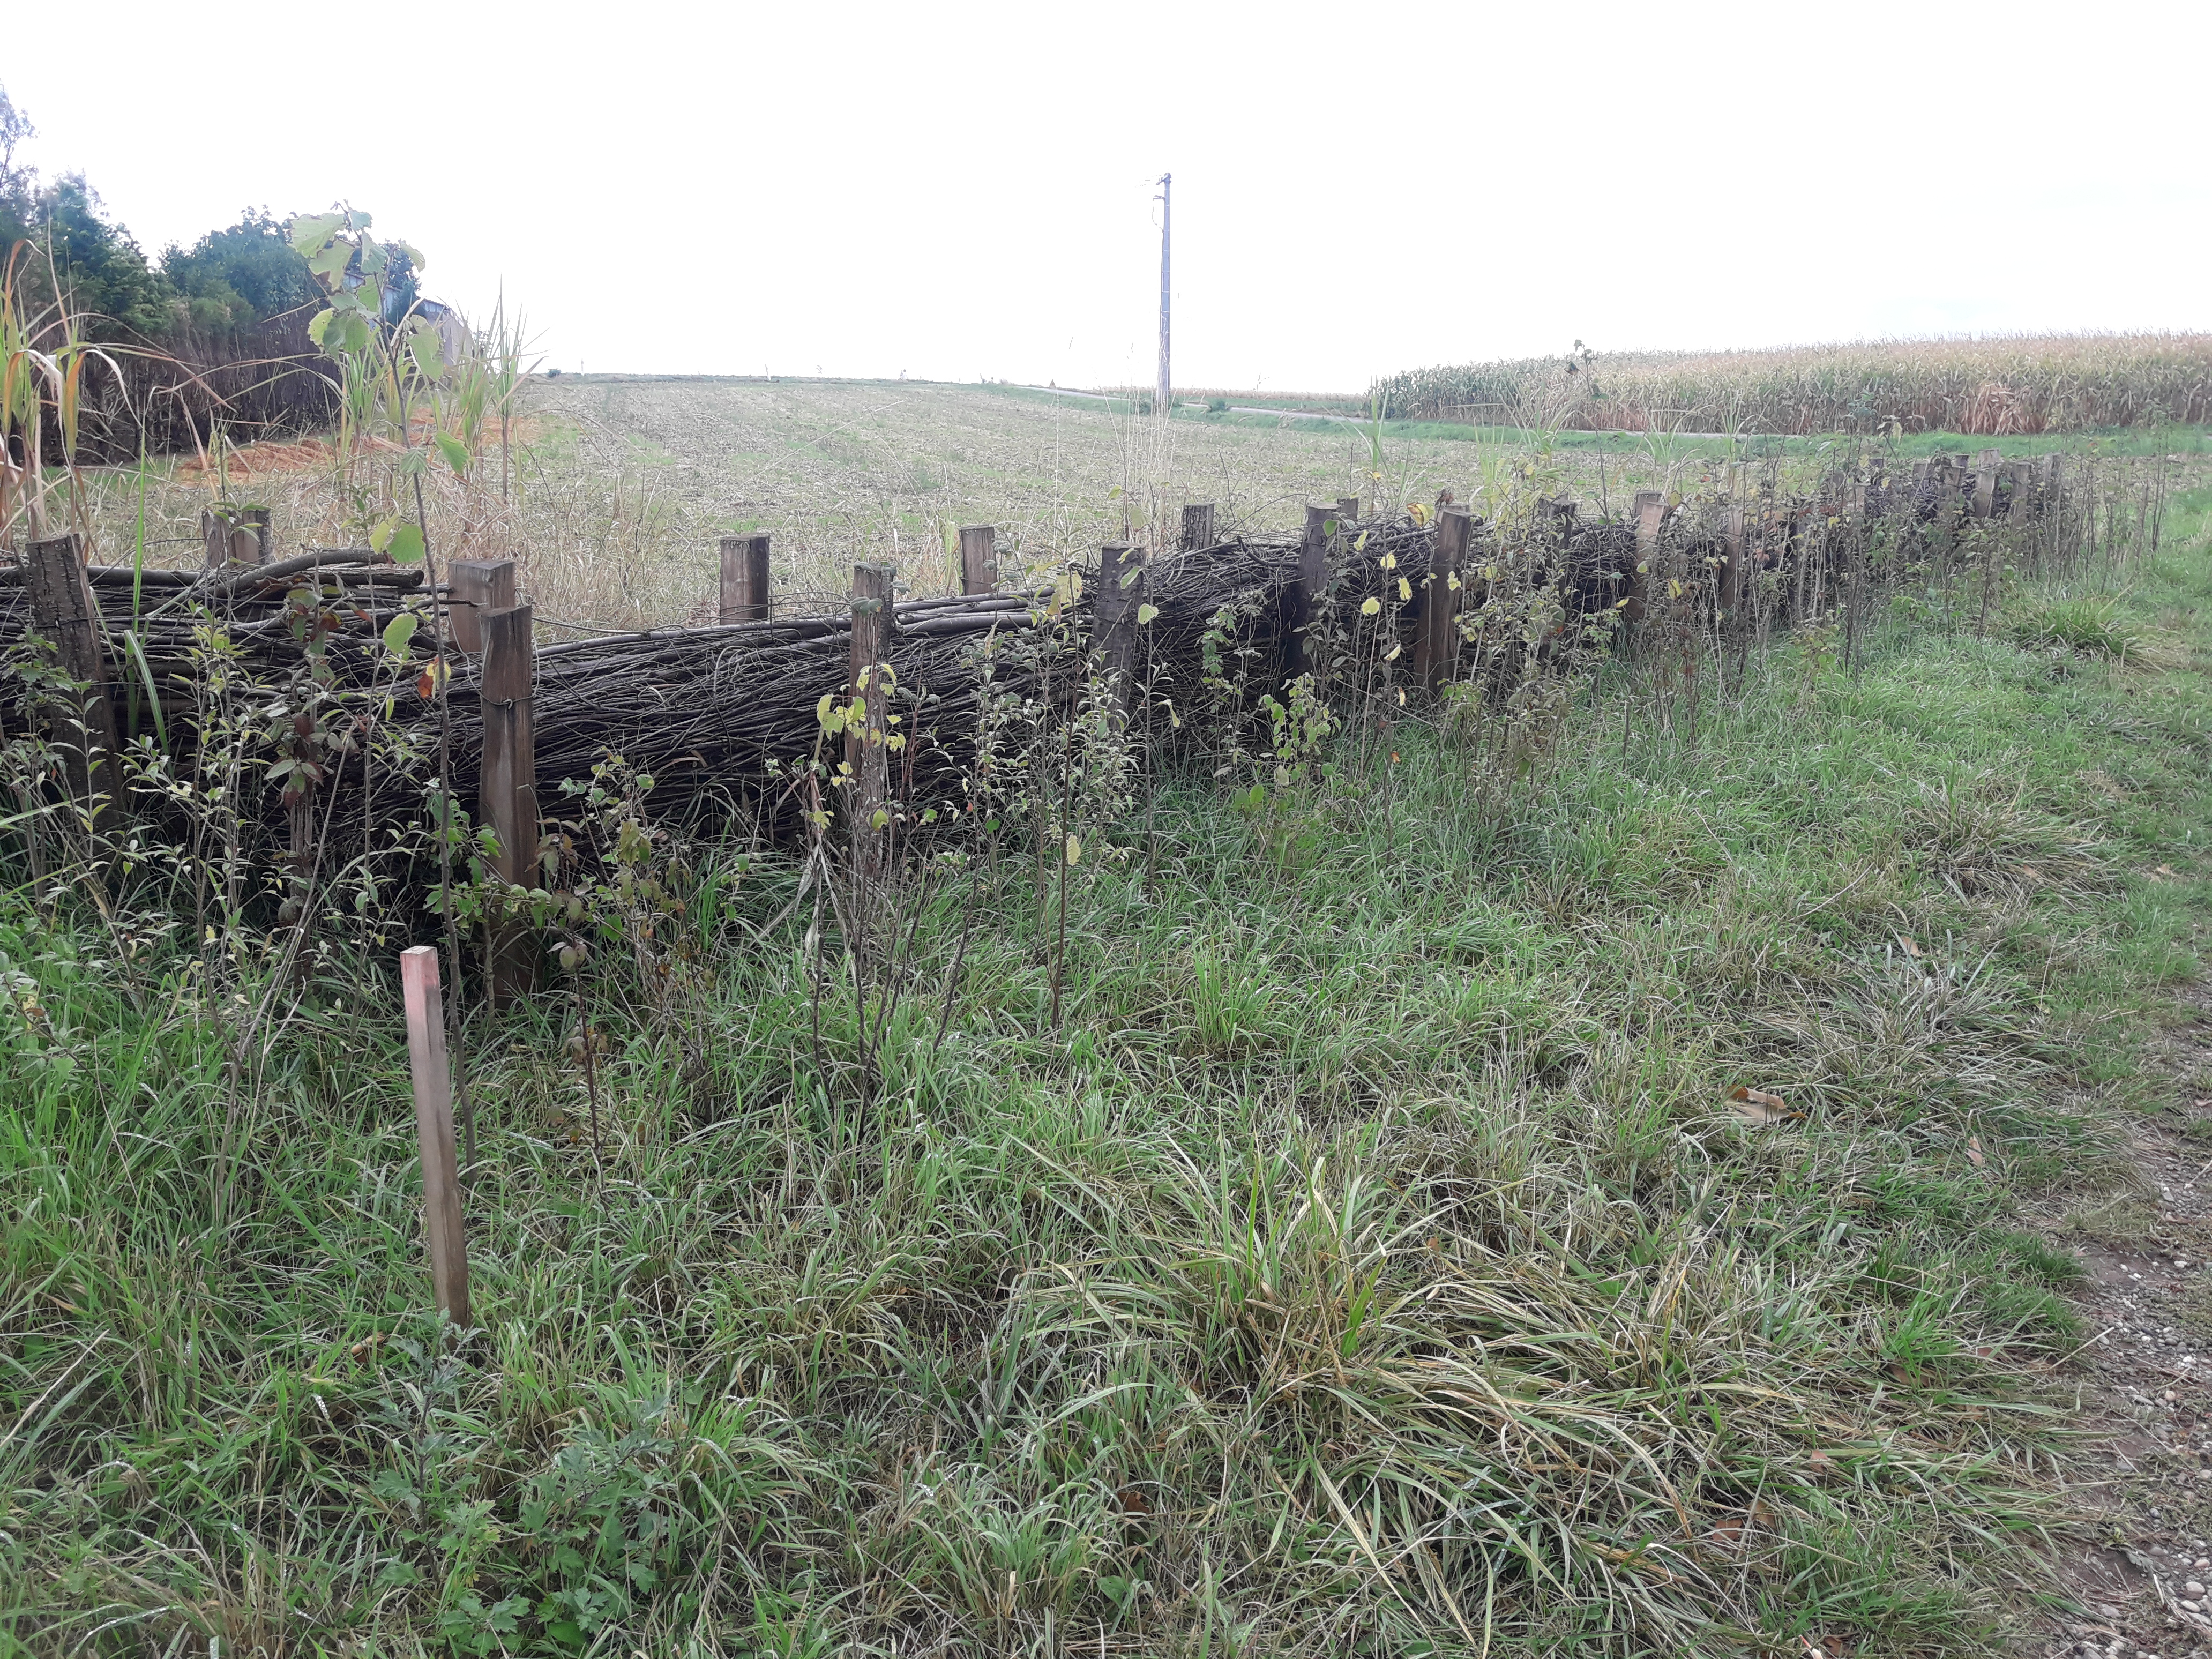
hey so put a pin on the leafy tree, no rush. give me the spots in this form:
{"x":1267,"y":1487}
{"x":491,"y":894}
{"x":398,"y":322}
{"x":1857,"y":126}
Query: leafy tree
{"x":231,"y":278}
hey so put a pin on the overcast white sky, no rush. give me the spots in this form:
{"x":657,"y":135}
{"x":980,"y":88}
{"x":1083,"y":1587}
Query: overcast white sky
{"x":962,"y":191}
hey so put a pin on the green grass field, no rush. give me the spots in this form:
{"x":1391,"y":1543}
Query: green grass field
{"x":1371,"y":1259}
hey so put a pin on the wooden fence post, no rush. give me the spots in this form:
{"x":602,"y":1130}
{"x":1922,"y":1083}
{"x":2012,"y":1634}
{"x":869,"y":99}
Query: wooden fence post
{"x":1347,"y":510}
{"x":1114,"y":619}
{"x":1435,"y":646}
{"x":1197,"y":525}
{"x":1305,"y":601}
{"x":979,"y":558}
{"x":1986,"y":483}
{"x":1731,"y":571}
{"x":745,"y":578}
{"x":1650,"y":510}
{"x":2019,"y":476}
{"x":83,"y":724}
{"x":865,"y":750}
{"x":507,"y":790}
{"x":234,"y":535}
{"x":434,"y":1130}
{"x":475,"y":588}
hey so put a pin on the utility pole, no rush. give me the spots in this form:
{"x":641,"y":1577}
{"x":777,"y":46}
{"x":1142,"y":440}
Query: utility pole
{"x":1160,"y":399}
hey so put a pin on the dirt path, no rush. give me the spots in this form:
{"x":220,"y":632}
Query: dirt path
{"x":2145,"y":1376}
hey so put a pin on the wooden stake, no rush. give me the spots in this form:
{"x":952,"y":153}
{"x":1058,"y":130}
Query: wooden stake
{"x":234,"y":535}
{"x":1114,"y":619}
{"x":865,"y":748}
{"x":1436,"y":645}
{"x":1197,"y":525}
{"x":1347,"y":511}
{"x":478,"y":587}
{"x":979,"y":558}
{"x":434,"y":1130}
{"x":83,"y":724}
{"x":745,"y":578}
{"x":1305,"y":601}
{"x":1986,"y":483}
{"x":1651,"y":511}
{"x":1731,"y":571}
{"x":508,"y":792}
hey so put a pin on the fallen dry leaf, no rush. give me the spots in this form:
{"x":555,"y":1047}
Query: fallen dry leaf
{"x":1974,"y":1151}
{"x":1911,"y":949}
{"x":1830,"y":1646}
{"x":1758,"y":1106}
{"x":1819,"y":1463}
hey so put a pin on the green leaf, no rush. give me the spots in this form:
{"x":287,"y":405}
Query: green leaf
{"x":319,"y":325}
{"x":329,"y":264}
{"x":1074,"y":850}
{"x":422,"y":345}
{"x":415,"y":258}
{"x":399,"y":631}
{"x":310,"y":231}
{"x":1145,"y":613}
{"x":455,"y":452}
{"x":406,"y":544}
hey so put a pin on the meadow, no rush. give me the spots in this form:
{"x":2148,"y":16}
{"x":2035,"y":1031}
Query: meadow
{"x":1385,"y":1212}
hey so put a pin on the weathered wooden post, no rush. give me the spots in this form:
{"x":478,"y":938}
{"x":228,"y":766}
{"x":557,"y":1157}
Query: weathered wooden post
{"x":475,"y":588}
{"x":234,"y":535}
{"x":745,"y":578}
{"x":1650,"y":515}
{"x":1986,"y":483}
{"x":1732,"y":558}
{"x":1114,"y":619}
{"x":83,"y":724}
{"x":507,"y":789}
{"x":1436,"y":645}
{"x":865,"y":750}
{"x":434,"y":1132}
{"x":1347,"y":510}
{"x":1305,"y":602}
{"x":979,"y":558}
{"x":1197,"y":525}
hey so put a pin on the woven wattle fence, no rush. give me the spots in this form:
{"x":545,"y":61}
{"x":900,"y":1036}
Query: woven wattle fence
{"x":711,"y":712}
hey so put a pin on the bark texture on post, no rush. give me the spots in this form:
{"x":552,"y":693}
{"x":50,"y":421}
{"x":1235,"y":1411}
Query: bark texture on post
{"x":1197,"y":525}
{"x":1347,"y":511}
{"x":507,"y":794}
{"x":1305,"y":602}
{"x":433,"y":1131}
{"x":234,"y":535}
{"x":979,"y":558}
{"x":1650,"y":514}
{"x":745,"y":578}
{"x":1732,"y":565}
{"x":1986,"y":483}
{"x":865,"y":750}
{"x":1435,"y":646}
{"x":83,"y":725}
{"x":1114,"y":620}
{"x":479,"y":587}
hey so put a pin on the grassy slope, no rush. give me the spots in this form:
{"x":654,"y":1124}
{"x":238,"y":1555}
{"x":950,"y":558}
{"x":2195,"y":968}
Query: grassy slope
{"x":1373,"y":1262}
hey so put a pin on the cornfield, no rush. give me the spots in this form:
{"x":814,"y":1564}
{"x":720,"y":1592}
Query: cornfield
{"x":2008,"y":385}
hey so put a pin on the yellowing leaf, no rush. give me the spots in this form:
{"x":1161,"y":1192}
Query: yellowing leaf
{"x":1405,"y":591}
{"x":1074,"y":851}
{"x":1370,"y":605}
{"x":1145,"y":613}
